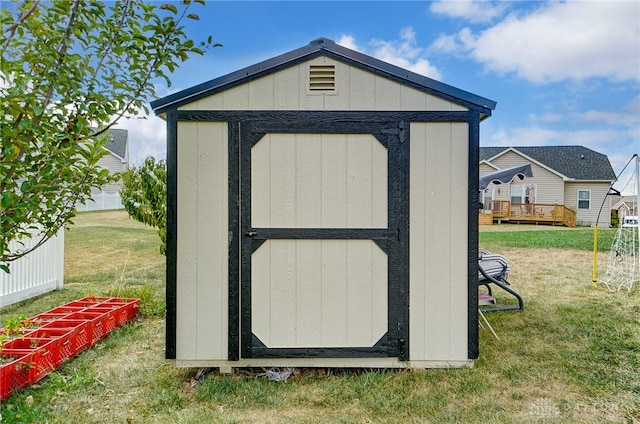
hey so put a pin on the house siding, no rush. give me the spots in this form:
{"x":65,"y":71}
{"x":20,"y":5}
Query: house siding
{"x":549,"y":186}
{"x":598,"y":195}
{"x":114,"y":164}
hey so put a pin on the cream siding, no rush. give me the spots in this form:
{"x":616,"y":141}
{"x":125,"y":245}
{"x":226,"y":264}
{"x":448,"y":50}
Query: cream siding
{"x":319,"y":181}
{"x":114,"y":164}
{"x":598,"y":195}
{"x":328,"y":293}
{"x":356,"y":89}
{"x":549,"y":185}
{"x":319,"y":293}
{"x":438,"y":241}
{"x":202,"y":241}
{"x":323,"y":293}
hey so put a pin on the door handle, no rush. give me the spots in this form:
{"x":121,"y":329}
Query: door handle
{"x":251,"y":233}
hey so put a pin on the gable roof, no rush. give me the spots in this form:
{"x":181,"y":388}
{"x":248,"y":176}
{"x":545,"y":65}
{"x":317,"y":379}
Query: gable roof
{"x":573,"y":162}
{"x":326,"y":47}
{"x":117,"y":143}
{"x":628,"y":201}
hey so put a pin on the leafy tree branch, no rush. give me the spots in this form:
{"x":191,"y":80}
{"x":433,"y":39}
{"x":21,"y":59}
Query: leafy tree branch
{"x":69,"y":71}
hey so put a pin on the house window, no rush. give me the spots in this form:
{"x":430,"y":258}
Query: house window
{"x":488,"y":196}
{"x":584,"y":199}
{"x":523,"y":193}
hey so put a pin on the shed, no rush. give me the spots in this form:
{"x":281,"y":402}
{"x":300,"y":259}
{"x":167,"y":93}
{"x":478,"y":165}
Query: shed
{"x":322,"y":212}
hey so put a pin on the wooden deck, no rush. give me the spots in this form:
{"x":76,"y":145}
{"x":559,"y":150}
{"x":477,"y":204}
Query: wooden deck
{"x":535,"y":213}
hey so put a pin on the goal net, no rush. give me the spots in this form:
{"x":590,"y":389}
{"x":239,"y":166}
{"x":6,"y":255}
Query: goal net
{"x":623,"y":266}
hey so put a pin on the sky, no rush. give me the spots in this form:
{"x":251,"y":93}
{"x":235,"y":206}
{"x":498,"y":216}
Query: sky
{"x":562,"y":73}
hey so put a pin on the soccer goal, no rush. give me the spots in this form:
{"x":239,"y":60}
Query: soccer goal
{"x":623,"y":265}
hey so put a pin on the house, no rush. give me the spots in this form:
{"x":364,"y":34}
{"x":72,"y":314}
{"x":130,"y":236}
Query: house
{"x":305,"y":214}
{"x":116,"y":161}
{"x":574,"y":177}
{"x":625,"y":205}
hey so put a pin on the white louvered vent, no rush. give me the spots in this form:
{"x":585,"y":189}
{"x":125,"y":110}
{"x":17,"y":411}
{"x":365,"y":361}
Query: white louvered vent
{"x":322,"y":78}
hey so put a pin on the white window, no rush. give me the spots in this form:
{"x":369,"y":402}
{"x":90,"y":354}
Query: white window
{"x":584,"y":199}
{"x":487,"y":197}
{"x":523,"y":193}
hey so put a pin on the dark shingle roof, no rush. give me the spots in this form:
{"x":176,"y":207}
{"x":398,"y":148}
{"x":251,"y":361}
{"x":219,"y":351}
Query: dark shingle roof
{"x":574,"y":162}
{"x":324,"y":46}
{"x":117,"y":143}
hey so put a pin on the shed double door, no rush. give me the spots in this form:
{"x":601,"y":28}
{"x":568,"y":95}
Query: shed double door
{"x":323,"y":239}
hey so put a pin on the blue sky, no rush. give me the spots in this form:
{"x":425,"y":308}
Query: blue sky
{"x":562,"y":73}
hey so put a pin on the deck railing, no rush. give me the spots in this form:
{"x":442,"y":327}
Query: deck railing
{"x":533,"y":212}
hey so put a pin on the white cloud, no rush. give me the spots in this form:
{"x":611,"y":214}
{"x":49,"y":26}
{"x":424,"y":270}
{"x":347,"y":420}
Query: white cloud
{"x":147,"y":137}
{"x":349,"y":42}
{"x":473,"y":11}
{"x":559,"y":41}
{"x":404,"y":52}
{"x":547,"y":117}
{"x":572,"y":40}
{"x":610,"y":118}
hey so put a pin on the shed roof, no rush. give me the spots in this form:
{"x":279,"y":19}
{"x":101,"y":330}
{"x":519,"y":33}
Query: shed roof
{"x":573,"y":162}
{"x":324,"y":46}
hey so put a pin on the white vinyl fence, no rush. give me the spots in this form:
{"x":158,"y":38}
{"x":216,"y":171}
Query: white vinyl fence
{"x":102,"y":202}
{"x":38,"y":272}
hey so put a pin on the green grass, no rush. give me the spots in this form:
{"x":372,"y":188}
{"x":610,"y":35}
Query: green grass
{"x":571,"y":356}
{"x":578,"y":238}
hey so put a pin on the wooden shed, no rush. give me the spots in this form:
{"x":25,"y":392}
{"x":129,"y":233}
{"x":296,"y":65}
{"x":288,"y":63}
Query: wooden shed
{"x":322,"y":211}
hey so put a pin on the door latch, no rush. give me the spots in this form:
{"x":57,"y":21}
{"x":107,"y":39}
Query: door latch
{"x":251,"y":233}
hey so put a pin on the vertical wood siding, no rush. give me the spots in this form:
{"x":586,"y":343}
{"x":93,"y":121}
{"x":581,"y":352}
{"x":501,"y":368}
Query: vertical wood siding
{"x":322,"y":293}
{"x":355,"y":90}
{"x":438,"y":241}
{"x":202,"y":244}
{"x":319,"y":293}
{"x":319,"y":181}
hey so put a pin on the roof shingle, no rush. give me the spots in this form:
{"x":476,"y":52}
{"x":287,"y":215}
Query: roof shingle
{"x":575,"y":162}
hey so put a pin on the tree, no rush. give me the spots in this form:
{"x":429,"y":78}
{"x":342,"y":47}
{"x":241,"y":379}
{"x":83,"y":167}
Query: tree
{"x":144,"y":195}
{"x":69,"y":71}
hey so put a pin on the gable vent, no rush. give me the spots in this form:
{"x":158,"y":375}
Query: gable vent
{"x":322,"y":78}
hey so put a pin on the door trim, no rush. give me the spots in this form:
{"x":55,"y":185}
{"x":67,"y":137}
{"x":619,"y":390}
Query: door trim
{"x":243,"y":134}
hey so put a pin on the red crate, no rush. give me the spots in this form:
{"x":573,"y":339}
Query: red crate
{"x":96,"y":326}
{"x":130,"y":307}
{"x":62,"y":343}
{"x":52,"y":337}
{"x":14,"y":372}
{"x":61,"y":311}
{"x":111,"y":318}
{"x":86,"y":302}
{"x":42,"y":360}
{"x":80,"y":332}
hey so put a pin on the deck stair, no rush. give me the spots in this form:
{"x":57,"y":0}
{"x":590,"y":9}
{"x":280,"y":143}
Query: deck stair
{"x":46,"y":340}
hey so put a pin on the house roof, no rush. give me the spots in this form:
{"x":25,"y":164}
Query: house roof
{"x":628,"y":201}
{"x":326,"y":47}
{"x":573,"y":162}
{"x":117,"y":143}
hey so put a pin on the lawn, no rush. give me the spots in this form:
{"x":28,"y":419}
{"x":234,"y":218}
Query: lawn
{"x":572,"y":356}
